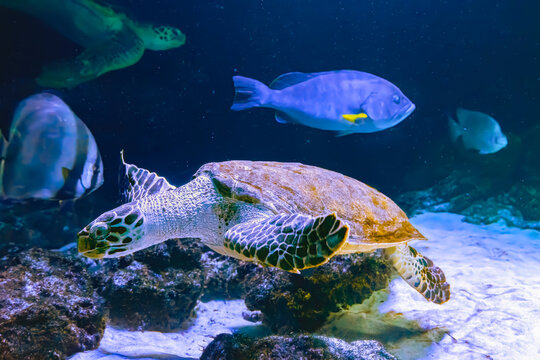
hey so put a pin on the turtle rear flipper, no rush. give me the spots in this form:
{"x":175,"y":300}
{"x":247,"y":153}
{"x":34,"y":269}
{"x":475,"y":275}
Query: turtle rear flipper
{"x":123,"y":49}
{"x":291,"y":242}
{"x":420,"y":272}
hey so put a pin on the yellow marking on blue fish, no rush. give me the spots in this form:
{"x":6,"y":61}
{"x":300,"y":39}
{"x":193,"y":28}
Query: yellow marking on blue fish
{"x":353,"y":117}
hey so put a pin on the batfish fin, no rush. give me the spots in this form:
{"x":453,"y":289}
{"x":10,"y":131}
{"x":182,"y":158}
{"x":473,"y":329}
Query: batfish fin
{"x":292,"y":78}
{"x":283,"y":118}
{"x":65,"y":173}
{"x":136,"y":183}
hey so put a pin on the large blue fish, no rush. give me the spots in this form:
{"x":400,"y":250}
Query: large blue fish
{"x":50,"y":153}
{"x":346,"y":101}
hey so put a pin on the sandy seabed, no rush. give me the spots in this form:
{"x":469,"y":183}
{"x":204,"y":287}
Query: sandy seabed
{"x":494,"y":272}
{"x":494,"y":311}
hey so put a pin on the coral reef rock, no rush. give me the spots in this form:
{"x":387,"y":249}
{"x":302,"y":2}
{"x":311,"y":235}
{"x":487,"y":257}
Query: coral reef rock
{"x":154,"y":289}
{"x":480,"y":199}
{"x":495,"y":188}
{"x":291,"y":302}
{"x":240,"y":347}
{"x":48,"y":307}
{"x":226,"y":277}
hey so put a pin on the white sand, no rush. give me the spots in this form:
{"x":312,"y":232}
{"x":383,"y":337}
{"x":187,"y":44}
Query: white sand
{"x":213,"y":318}
{"x":494,"y":312}
{"x":494,"y":272}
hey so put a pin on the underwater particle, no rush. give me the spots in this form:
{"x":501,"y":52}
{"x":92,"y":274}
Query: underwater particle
{"x":345,"y":101}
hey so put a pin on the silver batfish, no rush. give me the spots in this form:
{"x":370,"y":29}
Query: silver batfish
{"x":49,"y":154}
{"x":345,"y":101}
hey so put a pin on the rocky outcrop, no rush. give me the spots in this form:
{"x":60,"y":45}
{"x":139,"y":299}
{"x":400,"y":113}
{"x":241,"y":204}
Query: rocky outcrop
{"x":155,"y":289}
{"x":501,"y":187}
{"x":226,"y":277}
{"x":239,"y":347}
{"x":292,"y":302}
{"x":470,"y":194}
{"x":48,"y":308}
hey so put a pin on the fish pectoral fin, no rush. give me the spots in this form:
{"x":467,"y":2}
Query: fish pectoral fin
{"x":353,"y":117}
{"x":65,"y":172}
{"x":344,"y":133}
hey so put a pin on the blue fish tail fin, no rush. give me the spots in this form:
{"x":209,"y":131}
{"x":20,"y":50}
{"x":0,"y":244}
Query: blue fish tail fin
{"x":249,"y":93}
{"x":456,"y":130}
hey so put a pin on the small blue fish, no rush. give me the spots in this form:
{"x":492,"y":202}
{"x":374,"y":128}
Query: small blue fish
{"x":50,"y":153}
{"x":346,"y":101}
{"x":478,"y":131}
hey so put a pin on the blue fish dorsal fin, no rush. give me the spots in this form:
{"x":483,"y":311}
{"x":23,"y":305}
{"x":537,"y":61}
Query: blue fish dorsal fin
{"x":136,"y":183}
{"x":292,"y":78}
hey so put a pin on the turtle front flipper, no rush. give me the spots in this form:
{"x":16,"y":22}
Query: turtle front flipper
{"x":420,"y":272}
{"x":123,"y":49}
{"x":291,"y":242}
{"x":136,"y":183}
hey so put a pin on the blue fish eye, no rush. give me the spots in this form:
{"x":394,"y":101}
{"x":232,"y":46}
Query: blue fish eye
{"x":396,"y":99}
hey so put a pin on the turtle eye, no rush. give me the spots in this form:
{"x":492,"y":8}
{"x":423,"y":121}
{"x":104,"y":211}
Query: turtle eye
{"x":99,"y":231}
{"x":396,"y":99}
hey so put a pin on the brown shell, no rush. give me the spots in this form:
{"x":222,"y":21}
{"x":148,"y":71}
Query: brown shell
{"x":374,"y":219}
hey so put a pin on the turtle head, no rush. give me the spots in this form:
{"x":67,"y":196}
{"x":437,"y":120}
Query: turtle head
{"x":163,"y":38}
{"x":115,"y":233}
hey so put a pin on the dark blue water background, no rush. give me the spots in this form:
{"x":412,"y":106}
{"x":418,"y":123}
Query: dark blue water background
{"x":170,"y":112}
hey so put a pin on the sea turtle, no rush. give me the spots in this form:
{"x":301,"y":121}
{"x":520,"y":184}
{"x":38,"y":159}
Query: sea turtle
{"x":112,"y":40}
{"x":285,"y":215}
